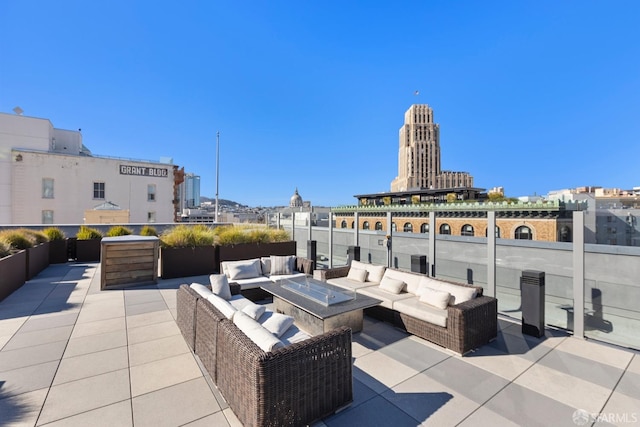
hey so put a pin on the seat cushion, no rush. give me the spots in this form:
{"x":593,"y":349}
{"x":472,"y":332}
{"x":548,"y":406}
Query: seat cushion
{"x":222,"y":305}
{"x":428,"y":313}
{"x":343,"y":282}
{"x":256,"y":333}
{"x":294,"y":334}
{"x":388,"y":299}
{"x":201,"y":289}
{"x":253,"y":283}
{"x":276,"y":277}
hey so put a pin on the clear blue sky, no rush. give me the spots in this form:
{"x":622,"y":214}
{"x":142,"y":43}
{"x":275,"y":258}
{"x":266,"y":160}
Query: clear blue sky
{"x":530,"y":95}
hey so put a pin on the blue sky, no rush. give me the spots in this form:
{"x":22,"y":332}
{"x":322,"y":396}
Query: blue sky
{"x":531,"y":96}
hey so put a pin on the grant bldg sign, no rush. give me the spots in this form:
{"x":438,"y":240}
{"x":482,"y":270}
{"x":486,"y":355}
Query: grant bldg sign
{"x":144,"y":171}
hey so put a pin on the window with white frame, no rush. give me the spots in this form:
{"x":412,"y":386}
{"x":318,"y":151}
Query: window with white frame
{"x":151,"y":216}
{"x":47,"y":217}
{"x":47,"y":188}
{"x":151,"y":193}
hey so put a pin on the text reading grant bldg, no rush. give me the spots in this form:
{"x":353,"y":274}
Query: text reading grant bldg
{"x":47,"y":176}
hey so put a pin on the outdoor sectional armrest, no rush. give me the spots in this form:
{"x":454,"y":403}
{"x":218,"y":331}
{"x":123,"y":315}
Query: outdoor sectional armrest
{"x":304,"y":265}
{"x":235,"y":288}
{"x":266,"y":388}
{"x":474,"y":322}
{"x":333,"y":273}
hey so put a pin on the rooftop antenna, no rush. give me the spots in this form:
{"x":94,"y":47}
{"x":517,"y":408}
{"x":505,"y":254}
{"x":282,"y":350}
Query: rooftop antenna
{"x":217,"y":171}
{"x":18,"y":110}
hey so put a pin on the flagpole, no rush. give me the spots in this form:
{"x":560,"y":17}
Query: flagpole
{"x":217,"y":171}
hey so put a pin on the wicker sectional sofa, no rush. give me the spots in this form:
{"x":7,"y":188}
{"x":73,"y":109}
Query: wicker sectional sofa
{"x":453,"y":315}
{"x":302,"y":381}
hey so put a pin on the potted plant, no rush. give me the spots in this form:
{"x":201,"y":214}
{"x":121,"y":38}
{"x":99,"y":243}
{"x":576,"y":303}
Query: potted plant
{"x":236,"y":243}
{"x":57,"y":245}
{"x":118,"y":230}
{"x":187,"y":251}
{"x":13,"y":261}
{"x":148,"y":230}
{"x":88,"y":244}
{"x":38,"y":253}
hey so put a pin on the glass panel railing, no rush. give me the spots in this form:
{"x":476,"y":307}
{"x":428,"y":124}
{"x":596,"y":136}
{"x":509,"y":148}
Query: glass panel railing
{"x":403,"y":246}
{"x":461,"y":259}
{"x":373,"y":248}
{"x":342,"y":239}
{"x":321,"y":236}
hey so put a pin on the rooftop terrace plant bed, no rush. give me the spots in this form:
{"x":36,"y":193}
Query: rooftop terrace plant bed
{"x":57,"y":245}
{"x":13,"y":271}
{"x":88,"y":244}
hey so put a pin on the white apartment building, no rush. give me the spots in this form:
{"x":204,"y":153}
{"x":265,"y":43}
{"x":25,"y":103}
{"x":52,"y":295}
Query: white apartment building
{"x":47,"y":176}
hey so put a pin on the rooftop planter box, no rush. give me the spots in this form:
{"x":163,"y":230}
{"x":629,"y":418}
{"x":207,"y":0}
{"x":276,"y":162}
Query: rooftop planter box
{"x":57,"y":245}
{"x":235,"y":252}
{"x":88,"y":244}
{"x":13,"y":271}
{"x":187,"y":261}
{"x":37,"y":259}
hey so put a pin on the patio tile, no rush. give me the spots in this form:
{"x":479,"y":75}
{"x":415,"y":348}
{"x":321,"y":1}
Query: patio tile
{"x":175,"y":405}
{"x":150,"y":351}
{"x":231,"y":418}
{"x":146,"y":319}
{"x":629,"y":385}
{"x":83,"y":395}
{"x":93,"y":343}
{"x":48,"y":321}
{"x":88,"y":365}
{"x":376,"y":412}
{"x":361,"y":393}
{"x":136,"y":296}
{"x":218,"y":419}
{"x":377,"y":335}
{"x":152,"y":332}
{"x":380,"y":372}
{"x":620,"y":409}
{"x":4,"y":339}
{"x":528,"y":408}
{"x":597,"y":352}
{"x":21,"y":410}
{"x":147,"y":307}
{"x":507,"y":366}
{"x":11,"y":326}
{"x":105,"y":311}
{"x":582,"y":367}
{"x":116,"y":414}
{"x":27,"y":356}
{"x":98,"y":327}
{"x":29,"y":339}
{"x":163,"y":373}
{"x":467,"y":380}
{"x":564,"y":388}
{"x":414,"y":354}
{"x":485,"y":417}
{"x":29,"y":378}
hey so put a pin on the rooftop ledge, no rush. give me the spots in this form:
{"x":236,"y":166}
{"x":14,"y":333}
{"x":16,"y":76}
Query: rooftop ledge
{"x":554,"y":205}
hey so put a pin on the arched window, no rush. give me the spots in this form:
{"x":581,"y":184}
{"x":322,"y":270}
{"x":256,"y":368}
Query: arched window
{"x":445,"y":229}
{"x":343,"y":224}
{"x":497,"y":232}
{"x":365,"y":225}
{"x":407,"y":227}
{"x":353,"y":224}
{"x":467,"y":230}
{"x":378,"y":225}
{"x":523,"y":233}
{"x":394,"y":227}
{"x":424,"y":228}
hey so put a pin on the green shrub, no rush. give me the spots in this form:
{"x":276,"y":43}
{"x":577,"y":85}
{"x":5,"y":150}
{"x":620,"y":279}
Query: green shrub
{"x":5,"y":249}
{"x":119,"y":230}
{"x":36,"y":237}
{"x":182,"y":236}
{"x":16,"y":239}
{"x":232,"y":235}
{"x":87,"y":233}
{"x":54,"y":233}
{"x":148,"y":230}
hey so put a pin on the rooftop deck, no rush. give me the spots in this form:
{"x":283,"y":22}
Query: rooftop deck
{"x":73,"y":355}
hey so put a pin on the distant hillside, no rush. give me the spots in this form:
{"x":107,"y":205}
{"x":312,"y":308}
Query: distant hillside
{"x":222,"y":202}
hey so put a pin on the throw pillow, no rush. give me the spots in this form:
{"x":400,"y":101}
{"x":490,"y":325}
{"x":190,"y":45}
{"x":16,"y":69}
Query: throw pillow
{"x":244,"y":269}
{"x":357,"y":274}
{"x":254,"y":310}
{"x":435,"y":298}
{"x":265,"y":264}
{"x":276,"y":323}
{"x":256,"y":333}
{"x":220,"y":286}
{"x":459,"y":294}
{"x":394,"y":286}
{"x":222,"y":305}
{"x":202,"y":290}
{"x":282,"y":264}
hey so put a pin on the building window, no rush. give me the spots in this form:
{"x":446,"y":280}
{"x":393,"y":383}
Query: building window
{"x":445,"y":229}
{"x":378,"y":226}
{"x":98,"y":190}
{"x":467,"y":230}
{"x":365,"y":225}
{"x":523,"y":233}
{"x":407,"y":227}
{"x":151,"y":193}
{"x":497,"y":232}
{"x":353,"y":224}
{"x":424,"y":228}
{"x":565,"y":234}
{"x":151,"y":216}
{"x":343,"y":224}
{"x":47,"y":188}
{"x":47,"y":217}
{"x":394,"y":227}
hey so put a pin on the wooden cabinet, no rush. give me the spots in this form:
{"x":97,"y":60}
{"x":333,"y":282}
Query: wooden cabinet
{"x":128,"y":260}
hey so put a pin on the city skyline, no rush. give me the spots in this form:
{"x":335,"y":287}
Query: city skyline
{"x":530,"y":97}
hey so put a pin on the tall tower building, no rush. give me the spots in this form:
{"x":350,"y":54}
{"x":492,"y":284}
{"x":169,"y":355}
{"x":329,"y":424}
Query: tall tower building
{"x":419,"y":155}
{"x":191,"y":190}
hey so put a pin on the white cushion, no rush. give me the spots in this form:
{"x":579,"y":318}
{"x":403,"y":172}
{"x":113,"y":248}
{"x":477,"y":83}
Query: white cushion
{"x":222,"y":305}
{"x":412,"y":280}
{"x":394,"y":286}
{"x":427,"y":282}
{"x":357,"y":274}
{"x":265,"y":263}
{"x":202,"y":290}
{"x":375,"y":271}
{"x":276,"y":323}
{"x":282,"y":264}
{"x":388,"y":299}
{"x":246,"y":269}
{"x":458,"y":293}
{"x":239,"y":302}
{"x":294,"y":334}
{"x":254,"y":310}
{"x":343,"y":282}
{"x":276,"y":277}
{"x":220,"y":286}
{"x":256,"y":333}
{"x":414,"y":308}
{"x":439,"y":299}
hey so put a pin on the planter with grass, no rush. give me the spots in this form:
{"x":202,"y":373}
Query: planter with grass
{"x":57,"y":245}
{"x":238,"y":243}
{"x":13,"y":263}
{"x":187,"y":251}
{"x":88,"y":244}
